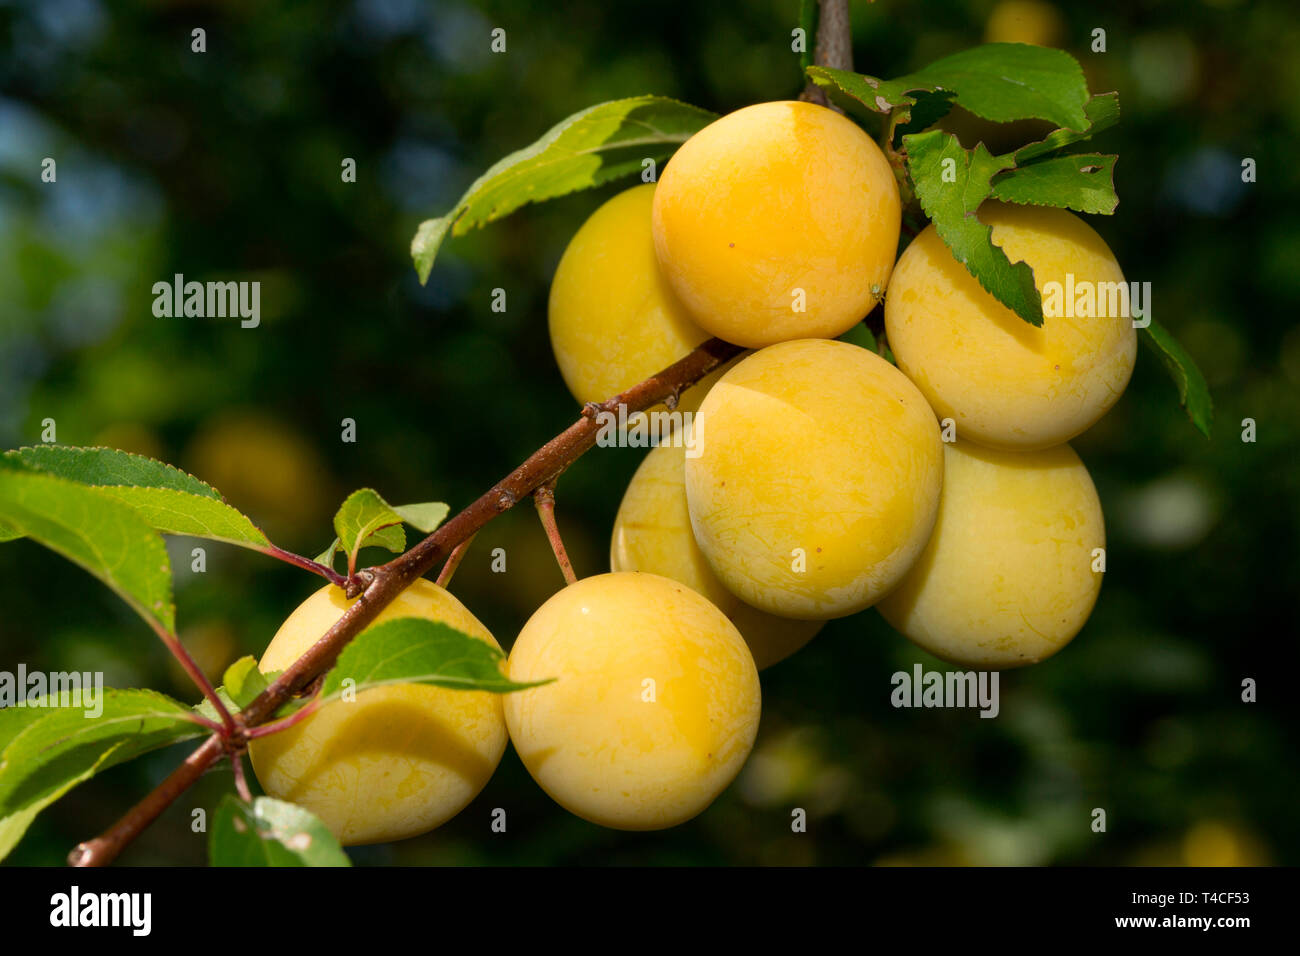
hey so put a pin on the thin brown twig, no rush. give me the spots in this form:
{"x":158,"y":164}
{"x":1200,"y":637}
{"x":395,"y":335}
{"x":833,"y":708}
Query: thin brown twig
{"x":544,"y":498}
{"x":453,"y":562}
{"x":265,"y":730}
{"x":241,"y":779}
{"x":386,"y":582}
{"x":178,"y":651}
{"x":297,"y":560}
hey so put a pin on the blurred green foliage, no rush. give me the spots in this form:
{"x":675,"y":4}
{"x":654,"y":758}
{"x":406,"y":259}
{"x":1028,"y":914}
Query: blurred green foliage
{"x":227,"y":165}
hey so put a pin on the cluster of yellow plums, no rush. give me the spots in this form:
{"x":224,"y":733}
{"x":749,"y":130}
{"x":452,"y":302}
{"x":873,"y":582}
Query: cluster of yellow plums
{"x":820,"y":483}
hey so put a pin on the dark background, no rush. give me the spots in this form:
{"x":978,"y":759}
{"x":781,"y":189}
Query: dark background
{"x":226,"y":165}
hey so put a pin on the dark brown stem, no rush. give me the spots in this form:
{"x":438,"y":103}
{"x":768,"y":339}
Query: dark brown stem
{"x":544,"y":498}
{"x":453,"y":562}
{"x":389,"y":580}
{"x":834,"y":46}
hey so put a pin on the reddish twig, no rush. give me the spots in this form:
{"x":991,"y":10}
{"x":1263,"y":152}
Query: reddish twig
{"x":297,"y":560}
{"x":173,"y":644}
{"x":284,"y":723}
{"x":386,"y":582}
{"x":544,"y":498}
{"x":241,"y":779}
{"x":453,"y":562}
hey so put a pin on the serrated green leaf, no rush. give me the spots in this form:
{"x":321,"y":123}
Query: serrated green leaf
{"x":589,"y":148}
{"x":271,"y":833}
{"x":1102,"y":113}
{"x":1084,"y":182}
{"x":105,"y":536}
{"x":170,"y":500}
{"x":243,"y":681}
{"x":998,"y":81}
{"x":950,"y":194}
{"x":176,"y":512}
{"x":107,"y":466}
{"x":49,"y":750}
{"x":425,"y":516}
{"x":1193,"y":393}
{"x":365,"y":519}
{"x":412,"y":650}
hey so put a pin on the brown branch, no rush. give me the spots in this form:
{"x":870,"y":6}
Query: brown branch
{"x":834,"y":46}
{"x":388,"y":581}
{"x":544,"y":498}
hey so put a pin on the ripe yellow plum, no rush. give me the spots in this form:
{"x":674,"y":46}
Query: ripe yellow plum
{"x":398,"y":760}
{"x":614,"y":320}
{"x":1007,"y":578}
{"x":818,"y":478}
{"x":653,"y":533}
{"x":1005,"y":383}
{"x":654,"y":708}
{"x":776,"y":222}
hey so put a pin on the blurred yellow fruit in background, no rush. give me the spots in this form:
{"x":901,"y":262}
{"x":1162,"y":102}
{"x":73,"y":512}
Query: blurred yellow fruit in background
{"x":264,"y":468}
{"x":778,"y":221}
{"x":1025,"y":21}
{"x":397,"y":761}
{"x":654,"y":708}
{"x":653,"y":533}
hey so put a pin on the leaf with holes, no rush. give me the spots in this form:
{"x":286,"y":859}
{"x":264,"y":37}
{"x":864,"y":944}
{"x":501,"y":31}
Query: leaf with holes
{"x":271,"y":833}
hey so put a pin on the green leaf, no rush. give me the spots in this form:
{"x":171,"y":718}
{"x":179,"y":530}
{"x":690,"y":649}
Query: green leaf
{"x":106,"y":537}
{"x":589,"y":148}
{"x":1102,"y":112}
{"x":167,"y":498}
{"x":107,"y":466}
{"x":45,"y":751}
{"x":271,"y":833}
{"x":860,"y":336}
{"x":952,"y":205}
{"x":1084,"y":182}
{"x":425,"y":516}
{"x":326,"y":557}
{"x":175,"y":512}
{"x":998,"y":81}
{"x":243,"y":681}
{"x":365,"y":519}
{"x":1193,"y":393}
{"x":413,"y":650}
{"x":9,"y":532}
